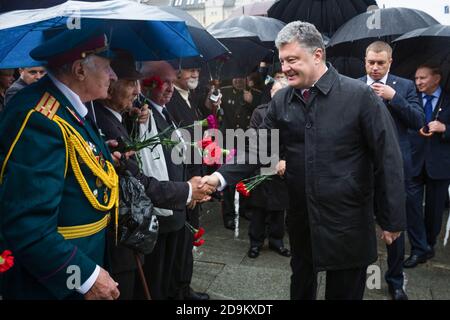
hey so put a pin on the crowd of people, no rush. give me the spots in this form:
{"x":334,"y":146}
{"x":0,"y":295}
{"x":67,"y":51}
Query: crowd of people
{"x":353,"y":153}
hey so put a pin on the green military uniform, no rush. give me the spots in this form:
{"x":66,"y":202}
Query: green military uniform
{"x":58,"y":191}
{"x":237,"y":112}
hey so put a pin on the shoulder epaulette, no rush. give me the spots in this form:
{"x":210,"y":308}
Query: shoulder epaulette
{"x":48,"y":105}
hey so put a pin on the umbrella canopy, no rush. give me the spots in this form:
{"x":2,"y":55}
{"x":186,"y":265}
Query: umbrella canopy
{"x":326,"y":15}
{"x":207,"y":45}
{"x":431,"y":45}
{"x":382,"y":24}
{"x":253,"y":9}
{"x":265,"y":28}
{"x":241,"y":43}
{"x":146,"y":31}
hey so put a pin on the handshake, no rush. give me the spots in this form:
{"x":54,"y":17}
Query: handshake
{"x":202,"y":188}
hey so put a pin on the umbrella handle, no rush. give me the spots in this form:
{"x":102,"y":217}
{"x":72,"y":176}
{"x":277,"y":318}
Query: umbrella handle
{"x":425,"y":134}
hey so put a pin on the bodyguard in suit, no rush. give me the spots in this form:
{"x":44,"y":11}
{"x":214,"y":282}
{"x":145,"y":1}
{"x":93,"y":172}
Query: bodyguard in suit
{"x":399,"y":96}
{"x":27,"y":77}
{"x":341,"y":150}
{"x":58,"y":188}
{"x":431,"y":163}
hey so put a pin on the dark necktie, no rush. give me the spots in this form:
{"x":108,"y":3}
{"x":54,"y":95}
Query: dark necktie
{"x":167,"y":115}
{"x":428,"y":108}
{"x":306,"y":94}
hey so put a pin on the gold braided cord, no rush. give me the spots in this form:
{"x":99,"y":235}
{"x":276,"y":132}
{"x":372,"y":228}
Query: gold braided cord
{"x":85,"y":230}
{"x":77,"y":145}
{"x":14,"y":144}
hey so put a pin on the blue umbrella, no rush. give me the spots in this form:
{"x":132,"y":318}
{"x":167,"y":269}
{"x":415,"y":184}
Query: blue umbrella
{"x":146,"y":31}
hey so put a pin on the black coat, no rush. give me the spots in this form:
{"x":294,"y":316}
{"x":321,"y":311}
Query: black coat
{"x":270,"y":195}
{"x":433,"y":152}
{"x":342,"y":152}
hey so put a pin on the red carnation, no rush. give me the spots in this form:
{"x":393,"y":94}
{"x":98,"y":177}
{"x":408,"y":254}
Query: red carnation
{"x":199,"y":242}
{"x":202,"y":144}
{"x":154,"y":82}
{"x":242,"y":189}
{"x":6,"y":261}
{"x":199,"y":233}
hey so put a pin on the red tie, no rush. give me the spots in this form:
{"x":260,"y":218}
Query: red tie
{"x":306,"y":94}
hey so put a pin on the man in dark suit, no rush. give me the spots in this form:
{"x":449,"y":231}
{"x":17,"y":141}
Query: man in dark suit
{"x":431,"y":163}
{"x":399,"y":96}
{"x":184,"y":108}
{"x":171,"y":195}
{"x":341,"y":153}
{"x":27,"y":77}
{"x":159,"y":267}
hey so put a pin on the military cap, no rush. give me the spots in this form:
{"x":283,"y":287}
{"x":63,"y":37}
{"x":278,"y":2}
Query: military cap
{"x":68,"y":45}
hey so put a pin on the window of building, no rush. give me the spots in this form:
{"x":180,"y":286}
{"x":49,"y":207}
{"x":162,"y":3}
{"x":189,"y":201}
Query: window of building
{"x":447,"y":9}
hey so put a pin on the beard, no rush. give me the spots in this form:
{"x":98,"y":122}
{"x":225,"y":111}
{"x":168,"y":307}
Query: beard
{"x":192,"y":83}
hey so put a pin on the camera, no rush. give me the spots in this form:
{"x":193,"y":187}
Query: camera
{"x":215,"y":95}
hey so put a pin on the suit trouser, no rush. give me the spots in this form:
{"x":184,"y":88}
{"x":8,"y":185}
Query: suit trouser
{"x":395,"y":257}
{"x":258,"y":223}
{"x":183,"y":265}
{"x":126,"y":280}
{"x":423,"y":230}
{"x":159,"y":267}
{"x":347,"y":284}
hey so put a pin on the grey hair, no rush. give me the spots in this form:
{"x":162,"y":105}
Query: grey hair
{"x":304,"y":33}
{"x":67,"y":68}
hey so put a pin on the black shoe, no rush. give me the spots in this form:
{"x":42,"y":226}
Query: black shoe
{"x":283,"y":251}
{"x":414,"y":260}
{"x":253,"y":252}
{"x":229,"y":224}
{"x":398,"y":294}
{"x":430,"y":253}
{"x":196,"y":296}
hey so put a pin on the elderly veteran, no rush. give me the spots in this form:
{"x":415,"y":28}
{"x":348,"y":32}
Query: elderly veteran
{"x":58,"y":187}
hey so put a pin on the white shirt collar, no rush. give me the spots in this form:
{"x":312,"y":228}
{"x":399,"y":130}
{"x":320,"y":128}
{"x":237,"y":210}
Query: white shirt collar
{"x":370,"y":81}
{"x":73,"y":98}
{"x":158,"y":107}
{"x":115,"y":113}
{"x":184,"y":94}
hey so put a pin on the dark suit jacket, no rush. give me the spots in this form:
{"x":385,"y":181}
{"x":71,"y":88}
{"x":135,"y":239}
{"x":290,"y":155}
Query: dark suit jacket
{"x":341,"y":152}
{"x":433,"y":152}
{"x":183,"y":116}
{"x":18,"y":85}
{"x":164,"y":194}
{"x":177,"y":172}
{"x":407,"y":113}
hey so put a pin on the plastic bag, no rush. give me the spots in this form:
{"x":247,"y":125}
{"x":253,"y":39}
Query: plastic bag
{"x":138,"y":224}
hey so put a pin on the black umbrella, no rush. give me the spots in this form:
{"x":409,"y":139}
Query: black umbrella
{"x":425,"y":45}
{"x":355,"y":35}
{"x":265,"y":28}
{"x":247,"y":51}
{"x":207,"y":45}
{"x":326,"y":15}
